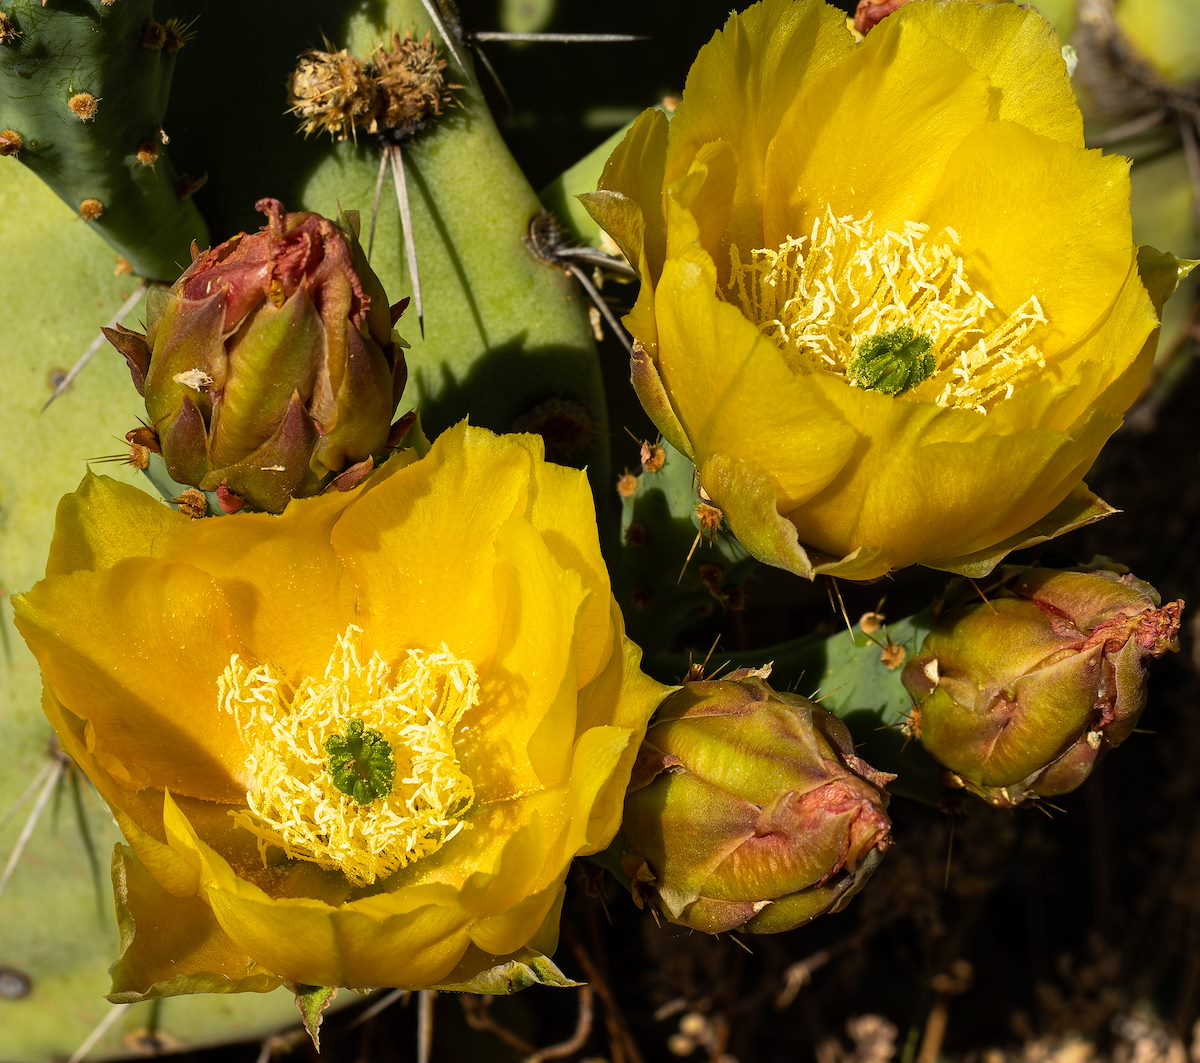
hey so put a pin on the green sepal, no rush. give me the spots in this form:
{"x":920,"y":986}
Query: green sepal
{"x":311,"y":1002}
{"x":561,"y":195}
{"x":519,"y":971}
{"x":1162,"y":273}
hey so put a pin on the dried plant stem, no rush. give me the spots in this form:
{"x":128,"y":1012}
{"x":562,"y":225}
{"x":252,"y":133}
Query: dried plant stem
{"x":583,"y":1030}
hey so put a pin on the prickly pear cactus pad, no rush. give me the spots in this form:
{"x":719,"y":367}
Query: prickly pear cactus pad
{"x":84,"y":92}
{"x":725,"y":605}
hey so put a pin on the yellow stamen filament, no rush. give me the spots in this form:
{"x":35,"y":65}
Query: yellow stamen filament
{"x":820,"y":296}
{"x":292,"y":802}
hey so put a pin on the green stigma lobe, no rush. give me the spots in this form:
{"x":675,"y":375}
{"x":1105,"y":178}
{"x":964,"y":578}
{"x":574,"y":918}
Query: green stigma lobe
{"x":361,"y":764}
{"x":893,"y":362}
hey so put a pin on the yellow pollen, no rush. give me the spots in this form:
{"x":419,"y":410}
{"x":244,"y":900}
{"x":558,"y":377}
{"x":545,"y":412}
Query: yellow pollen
{"x":292,"y":802}
{"x":820,"y":296}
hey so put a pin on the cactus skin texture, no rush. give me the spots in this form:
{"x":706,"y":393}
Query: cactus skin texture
{"x":85,"y":86}
{"x":663,"y":519}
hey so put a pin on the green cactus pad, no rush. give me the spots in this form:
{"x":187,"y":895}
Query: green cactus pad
{"x":85,"y":87}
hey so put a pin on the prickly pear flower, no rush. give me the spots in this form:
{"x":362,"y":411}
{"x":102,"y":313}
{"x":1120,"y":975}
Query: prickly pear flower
{"x":270,"y":366}
{"x":748,"y":809}
{"x":355,"y":744}
{"x":1018,"y":696}
{"x":890,"y":305}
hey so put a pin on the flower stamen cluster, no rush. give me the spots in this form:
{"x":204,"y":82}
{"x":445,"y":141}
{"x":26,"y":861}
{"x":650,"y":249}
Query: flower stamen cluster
{"x":295,"y":799}
{"x":821,"y":297}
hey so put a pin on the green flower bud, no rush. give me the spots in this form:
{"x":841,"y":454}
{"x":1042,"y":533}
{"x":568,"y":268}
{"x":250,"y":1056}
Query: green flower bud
{"x":1019,"y":695}
{"x":270,"y":366}
{"x":749,"y":810}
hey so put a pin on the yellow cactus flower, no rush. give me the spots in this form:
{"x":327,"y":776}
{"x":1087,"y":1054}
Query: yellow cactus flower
{"x":890,"y":305}
{"x":356,"y":744}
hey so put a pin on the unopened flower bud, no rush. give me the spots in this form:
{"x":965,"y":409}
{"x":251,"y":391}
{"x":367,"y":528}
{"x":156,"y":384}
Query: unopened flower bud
{"x":270,"y":366}
{"x":1018,"y":696}
{"x":748,"y":809}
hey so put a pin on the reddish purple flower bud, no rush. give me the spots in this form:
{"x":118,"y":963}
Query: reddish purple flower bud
{"x":748,"y":809}
{"x":270,"y":366}
{"x":1019,"y":695}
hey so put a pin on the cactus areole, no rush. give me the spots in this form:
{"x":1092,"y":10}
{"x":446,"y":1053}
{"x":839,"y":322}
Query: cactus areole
{"x":270,"y":367}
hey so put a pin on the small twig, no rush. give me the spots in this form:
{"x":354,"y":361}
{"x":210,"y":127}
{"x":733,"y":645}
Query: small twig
{"x":282,"y":1044}
{"x":558,"y":38}
{"x":425,"y":999}
{"x":125,"y":310}
{"x":618,"y":1030}
{"x":583,"y":1030}
{"x":477,"y":1012}
{"x":1191,"y":154}
{"x":1132,"y":128}
{"x":381,"y":1005}
{"x":101,"y":1028}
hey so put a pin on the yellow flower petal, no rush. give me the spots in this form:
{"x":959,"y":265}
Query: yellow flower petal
{"x":307,"y":941}
{"x":420,"y":547}
{"x":288,"y":589}
{"x":105,"y":521}
{"x":739,"y":87}
{"x":735,"y":391}
{"x":519,"y":737}
{"x":144,"y":686}
{"x":562,"y":513}
{"x":1016,"y":49}
{"x":1030,"y":213}
{"x":172,"y":945}
{"x":871,"y":135}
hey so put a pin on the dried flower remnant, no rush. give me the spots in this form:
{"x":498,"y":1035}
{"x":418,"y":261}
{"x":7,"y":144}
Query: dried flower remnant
{"x":411,"y":74}
{"x":154,"y":35}
{"x":148,"y":152}
{"x":84,"y":106}
{"x":334,"y":93}
{"x":398,"y":92}
{"x":654,"y":457}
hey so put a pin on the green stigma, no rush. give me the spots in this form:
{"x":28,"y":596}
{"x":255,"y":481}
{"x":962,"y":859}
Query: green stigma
{"x":893,"y":362}
{"x":361,"y":764}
